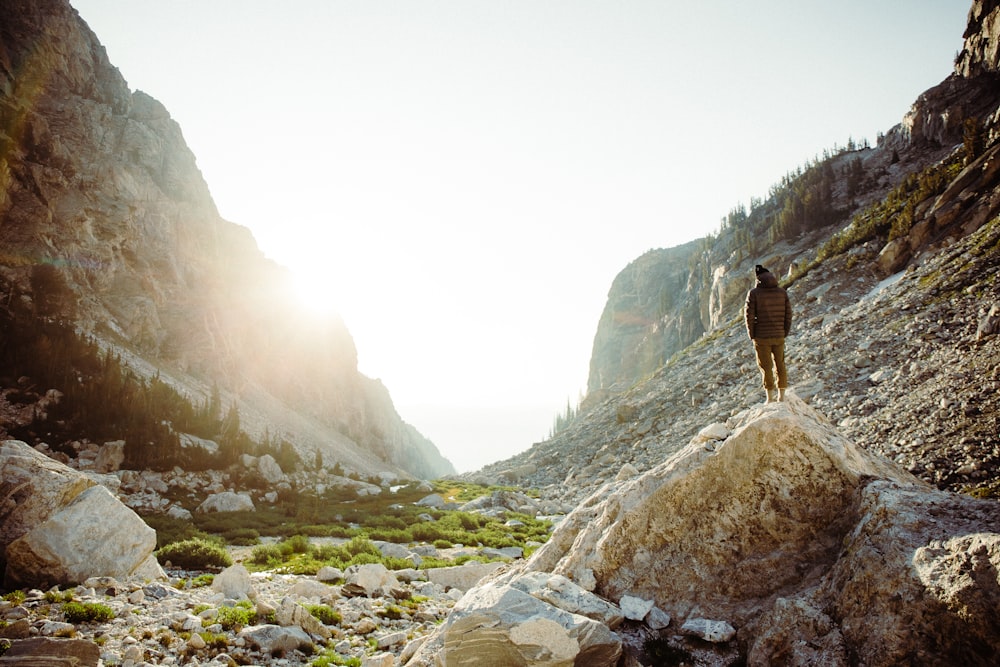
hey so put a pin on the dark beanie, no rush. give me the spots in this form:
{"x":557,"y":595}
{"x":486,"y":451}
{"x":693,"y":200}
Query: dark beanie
{"x":757,"y":270}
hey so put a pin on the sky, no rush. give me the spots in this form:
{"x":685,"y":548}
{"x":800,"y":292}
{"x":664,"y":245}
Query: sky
{"x":461,"y":180}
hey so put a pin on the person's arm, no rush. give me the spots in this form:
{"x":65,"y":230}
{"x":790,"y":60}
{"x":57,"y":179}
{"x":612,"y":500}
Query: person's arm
{"x":788,"y":315}
{"x":750,"y":312}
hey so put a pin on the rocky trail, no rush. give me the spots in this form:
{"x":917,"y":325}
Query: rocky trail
{"x":370,"y":613}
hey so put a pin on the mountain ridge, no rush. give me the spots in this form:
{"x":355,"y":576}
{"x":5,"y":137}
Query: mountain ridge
{"x":98,"y":182}
{"x":910,"y":208}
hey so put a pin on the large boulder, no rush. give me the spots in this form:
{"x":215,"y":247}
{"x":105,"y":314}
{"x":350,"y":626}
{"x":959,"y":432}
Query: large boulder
{"x":502,"y":625}
{"x":32,"y":487}
{"x":270,"y":470}
{"x":52,"y":652}
{"x":809,"y":548}
{"x":464,"y":576}
{"x":95,"y":535}
{"x":57,"y":527}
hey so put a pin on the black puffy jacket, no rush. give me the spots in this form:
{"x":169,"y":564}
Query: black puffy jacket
{"x":768,"y":310}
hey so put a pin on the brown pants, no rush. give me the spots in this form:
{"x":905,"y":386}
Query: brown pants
{"x":771,"y":355}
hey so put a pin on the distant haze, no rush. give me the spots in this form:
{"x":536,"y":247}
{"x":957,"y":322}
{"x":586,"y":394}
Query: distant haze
{"x":463,"y":180}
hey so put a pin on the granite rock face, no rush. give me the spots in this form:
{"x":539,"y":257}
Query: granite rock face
{"x":98,"y":180}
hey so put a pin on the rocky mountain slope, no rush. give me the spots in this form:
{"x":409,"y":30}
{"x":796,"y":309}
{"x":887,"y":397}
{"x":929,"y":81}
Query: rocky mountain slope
{"x":892,"y":333}
{"x":768,"y":540}
{"x":97,"y":181}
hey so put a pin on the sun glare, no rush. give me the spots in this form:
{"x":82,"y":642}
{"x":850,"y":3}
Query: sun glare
{"x":314,"y":293}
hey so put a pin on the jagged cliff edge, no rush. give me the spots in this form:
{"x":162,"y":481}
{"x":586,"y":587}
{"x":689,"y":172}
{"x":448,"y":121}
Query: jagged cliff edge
{"x":97,"y":180}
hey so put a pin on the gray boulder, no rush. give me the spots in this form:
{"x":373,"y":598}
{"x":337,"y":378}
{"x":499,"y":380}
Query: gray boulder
{"x":57,"y":527}
{"x":811,"y":549}
{"x":226,"y":501}
{"x":463,"y":577}
{"x":501,"y":625}
{"x":276,"y":639}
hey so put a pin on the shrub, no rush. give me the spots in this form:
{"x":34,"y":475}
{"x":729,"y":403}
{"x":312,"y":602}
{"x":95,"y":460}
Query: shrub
{"x":384,"y":521}
{"x":392,"y":612}
{"x":202,"y":580}
{"x":332,"y":552}
{"x":87,"y":612}
{"x":242,"y":537}
{"x":234,"y":618}
{"x":333,"y":659}
{"x":462,"y":521}
{"x":428,"y":532}
{"x":326,"y":615}
{"x":266,"y":554}
{"x":362,"y":545}
{"x":296,"y":544}
{"x":393,"y":563}
{"x":443,"y":544}
{"x":390,"y":535}
{"x":170,"y":530}
{"x":55,"y":596}
{"x":341,"y":531}
{"x":194,"y":554}
{"x":301,"y":565}
{"x":15,"y":597}
{"x":364,"y":559}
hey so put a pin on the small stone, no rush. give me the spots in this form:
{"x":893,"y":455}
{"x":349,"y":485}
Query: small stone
{"x":718,"y":632}
{"x":635,"y":608}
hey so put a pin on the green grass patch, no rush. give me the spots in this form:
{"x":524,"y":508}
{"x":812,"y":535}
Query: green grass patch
{"x":195,"y":554}
{"x":326,"y":615}
{"x":235,"y":618}
{"x":87,"y":612}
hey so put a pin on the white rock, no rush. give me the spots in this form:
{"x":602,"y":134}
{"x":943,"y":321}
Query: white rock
{"x":110,"y":456}
{"x":226,"y":501}
{"x":372,"y":577}
{"x":493,"y":620}
{"x":234,"y":583}
{"x":434,"y":500}
{"x":94,"y":535}
{"x":560,"y":592}
{"x":463,"y":577}
{"x":716,"y":431}
{"x":627,"y":471}
{"x":269,"y":469}
{"x":307,"y":588}
{"x":290,"y":613}
{"x":37,"y":486}
{"x":178,"y":512}
{"x":378,"y":660}
{"x":657,"y":619}
{"x":392,"y":550}
{"x":718,"y":632}
{"x":327,"y":573}
{"x":635,"y":608}
{"x":187,"y":440}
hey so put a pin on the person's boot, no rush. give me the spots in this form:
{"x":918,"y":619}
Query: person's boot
{"x":772,"y":395}
{"x":781,"y":394}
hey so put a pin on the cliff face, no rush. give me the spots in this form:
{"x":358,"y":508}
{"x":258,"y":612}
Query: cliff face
{"x":666,"y":299}
{"x":99,"y":181}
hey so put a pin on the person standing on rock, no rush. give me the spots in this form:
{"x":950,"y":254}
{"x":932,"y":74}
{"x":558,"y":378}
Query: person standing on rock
{"x":769,"y":319}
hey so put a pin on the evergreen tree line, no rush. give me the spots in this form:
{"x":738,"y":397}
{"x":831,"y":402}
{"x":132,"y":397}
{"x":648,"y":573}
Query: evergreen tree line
{"x":102,"y":398}
{"x":803,"y":201}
